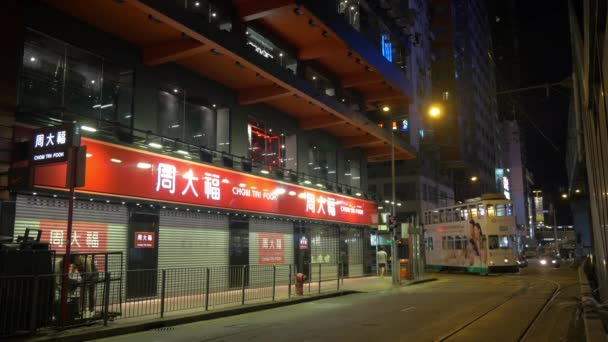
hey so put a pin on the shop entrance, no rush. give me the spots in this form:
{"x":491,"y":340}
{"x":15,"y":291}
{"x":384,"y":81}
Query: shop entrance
{"x":142,"y":260}
{"x":239,"y":252}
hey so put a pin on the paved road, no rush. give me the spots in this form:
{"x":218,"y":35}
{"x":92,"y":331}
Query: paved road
{"x":455,"y":308}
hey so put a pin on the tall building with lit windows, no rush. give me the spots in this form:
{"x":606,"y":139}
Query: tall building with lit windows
{"x":220,"y":130}
{"x":420,"y":183}
{"x":464,"y":83}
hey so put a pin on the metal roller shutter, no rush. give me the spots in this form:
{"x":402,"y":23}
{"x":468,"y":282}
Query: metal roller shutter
{"x":97,"y":227}
{"x":193,"y":240}
{"x":324,"y":250}
{"x":265,"y":252}
{"x":188,"y":239}
{"x":355,"y":252}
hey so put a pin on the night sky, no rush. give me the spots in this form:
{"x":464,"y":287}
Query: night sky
{"x":545,"y":56}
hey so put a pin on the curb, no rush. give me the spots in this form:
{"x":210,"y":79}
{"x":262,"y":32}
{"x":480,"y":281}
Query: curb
{"x":97,"y":332}
{"x":421,"y":281}
{"x":594,"y":327}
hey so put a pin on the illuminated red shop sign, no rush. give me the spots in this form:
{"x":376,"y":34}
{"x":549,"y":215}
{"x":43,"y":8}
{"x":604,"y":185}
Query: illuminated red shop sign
{"x":120,"y":171}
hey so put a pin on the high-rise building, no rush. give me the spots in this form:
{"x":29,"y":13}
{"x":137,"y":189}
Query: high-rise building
{"x":464,"y":83}
{"x":420,"y":184}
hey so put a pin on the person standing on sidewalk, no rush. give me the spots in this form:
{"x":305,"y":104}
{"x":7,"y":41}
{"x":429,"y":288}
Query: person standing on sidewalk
{"x":381,"y":261}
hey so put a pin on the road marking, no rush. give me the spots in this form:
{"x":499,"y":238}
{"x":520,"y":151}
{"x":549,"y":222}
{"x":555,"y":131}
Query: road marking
{"x":408,"y":309}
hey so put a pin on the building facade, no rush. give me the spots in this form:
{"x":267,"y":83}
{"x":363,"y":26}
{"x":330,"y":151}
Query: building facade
{"x":225,"y":133}
{"x":590,"y":117}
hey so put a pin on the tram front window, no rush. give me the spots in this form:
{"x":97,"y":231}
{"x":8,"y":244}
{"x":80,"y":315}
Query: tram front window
{"x":503,"y":242}
{"x":493,"y":241}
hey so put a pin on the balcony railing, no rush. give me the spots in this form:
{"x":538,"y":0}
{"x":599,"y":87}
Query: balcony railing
{"x":140,"y":139}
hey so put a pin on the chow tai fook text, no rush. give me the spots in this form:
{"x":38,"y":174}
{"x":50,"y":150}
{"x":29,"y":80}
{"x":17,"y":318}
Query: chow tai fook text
{"x":120,"y":171}
{"x":143,"y":240}
{"x":50,"y":144}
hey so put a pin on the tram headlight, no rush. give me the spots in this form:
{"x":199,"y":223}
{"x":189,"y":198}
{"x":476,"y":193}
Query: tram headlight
{"x":543,"y":261}
{"x":553,"y":261}
{"x":506,"y":261}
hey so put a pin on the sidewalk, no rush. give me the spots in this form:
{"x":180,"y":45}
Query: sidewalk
{"x":594,"y":327}
{"x":312,"y":291}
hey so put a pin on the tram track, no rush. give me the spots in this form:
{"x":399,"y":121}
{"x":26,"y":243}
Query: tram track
{"x":558,"y":290}
{"x":511,"y":297}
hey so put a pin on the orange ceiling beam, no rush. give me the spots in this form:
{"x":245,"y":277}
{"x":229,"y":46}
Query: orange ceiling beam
{"x":361,"y":79}
{"x":257,"y":9}
{"x":381,"y":96}
{"x":360,"y":141}
{"x":320,"y":122}
{"x":261,"y":94}
{"x":171,"y":51}
{"x":379,"y":151}
{"x":321,"y":48}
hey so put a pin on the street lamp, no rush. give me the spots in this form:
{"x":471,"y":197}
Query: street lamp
{"x":434,"y":111}
{"x":395,"y":260}
{"x":474,"y":179}
{"x":565,"y":196}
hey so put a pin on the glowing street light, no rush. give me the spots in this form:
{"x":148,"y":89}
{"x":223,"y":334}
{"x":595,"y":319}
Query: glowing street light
{"x":434,"y":111}
{"x":474,"y":179}
{"x":386,"y":108}
{"x":564,"y":196}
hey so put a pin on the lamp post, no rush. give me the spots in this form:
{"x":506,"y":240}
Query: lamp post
{"x":394,"y":258}
{"x":554,"y":212}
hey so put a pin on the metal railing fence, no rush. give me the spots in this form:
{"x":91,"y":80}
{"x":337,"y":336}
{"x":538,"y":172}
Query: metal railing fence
{"x":29,"y":303}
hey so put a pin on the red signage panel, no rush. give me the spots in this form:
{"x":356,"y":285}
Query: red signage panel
{"x":120,"y":171}
{"x":87,"y":237}
{"x":143,"y":240}
{"x":271,"y":248}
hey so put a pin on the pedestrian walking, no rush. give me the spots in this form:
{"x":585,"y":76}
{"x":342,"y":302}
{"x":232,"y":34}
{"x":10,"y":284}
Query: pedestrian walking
{"x":381,"y":257}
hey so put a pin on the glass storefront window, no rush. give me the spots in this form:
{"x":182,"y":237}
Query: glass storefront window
{"x":350,"y":10}
{"x":58,"y":76}
{"x":266,"y":48}
{"x":271,"y":147}
{"x":352,"y":173}
{"x":321,"y":163}
{"x":191,"y":120}
{"x":265,"y":146}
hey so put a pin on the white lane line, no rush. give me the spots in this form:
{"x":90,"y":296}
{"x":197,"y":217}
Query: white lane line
{"x":408,"y":309}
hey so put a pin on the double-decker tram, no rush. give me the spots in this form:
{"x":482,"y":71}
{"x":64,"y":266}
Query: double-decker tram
{"x":477,"y":236}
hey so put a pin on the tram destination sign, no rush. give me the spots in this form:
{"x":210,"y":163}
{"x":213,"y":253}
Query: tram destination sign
{"x":51,"y":144}
{"x":126,"y":172}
